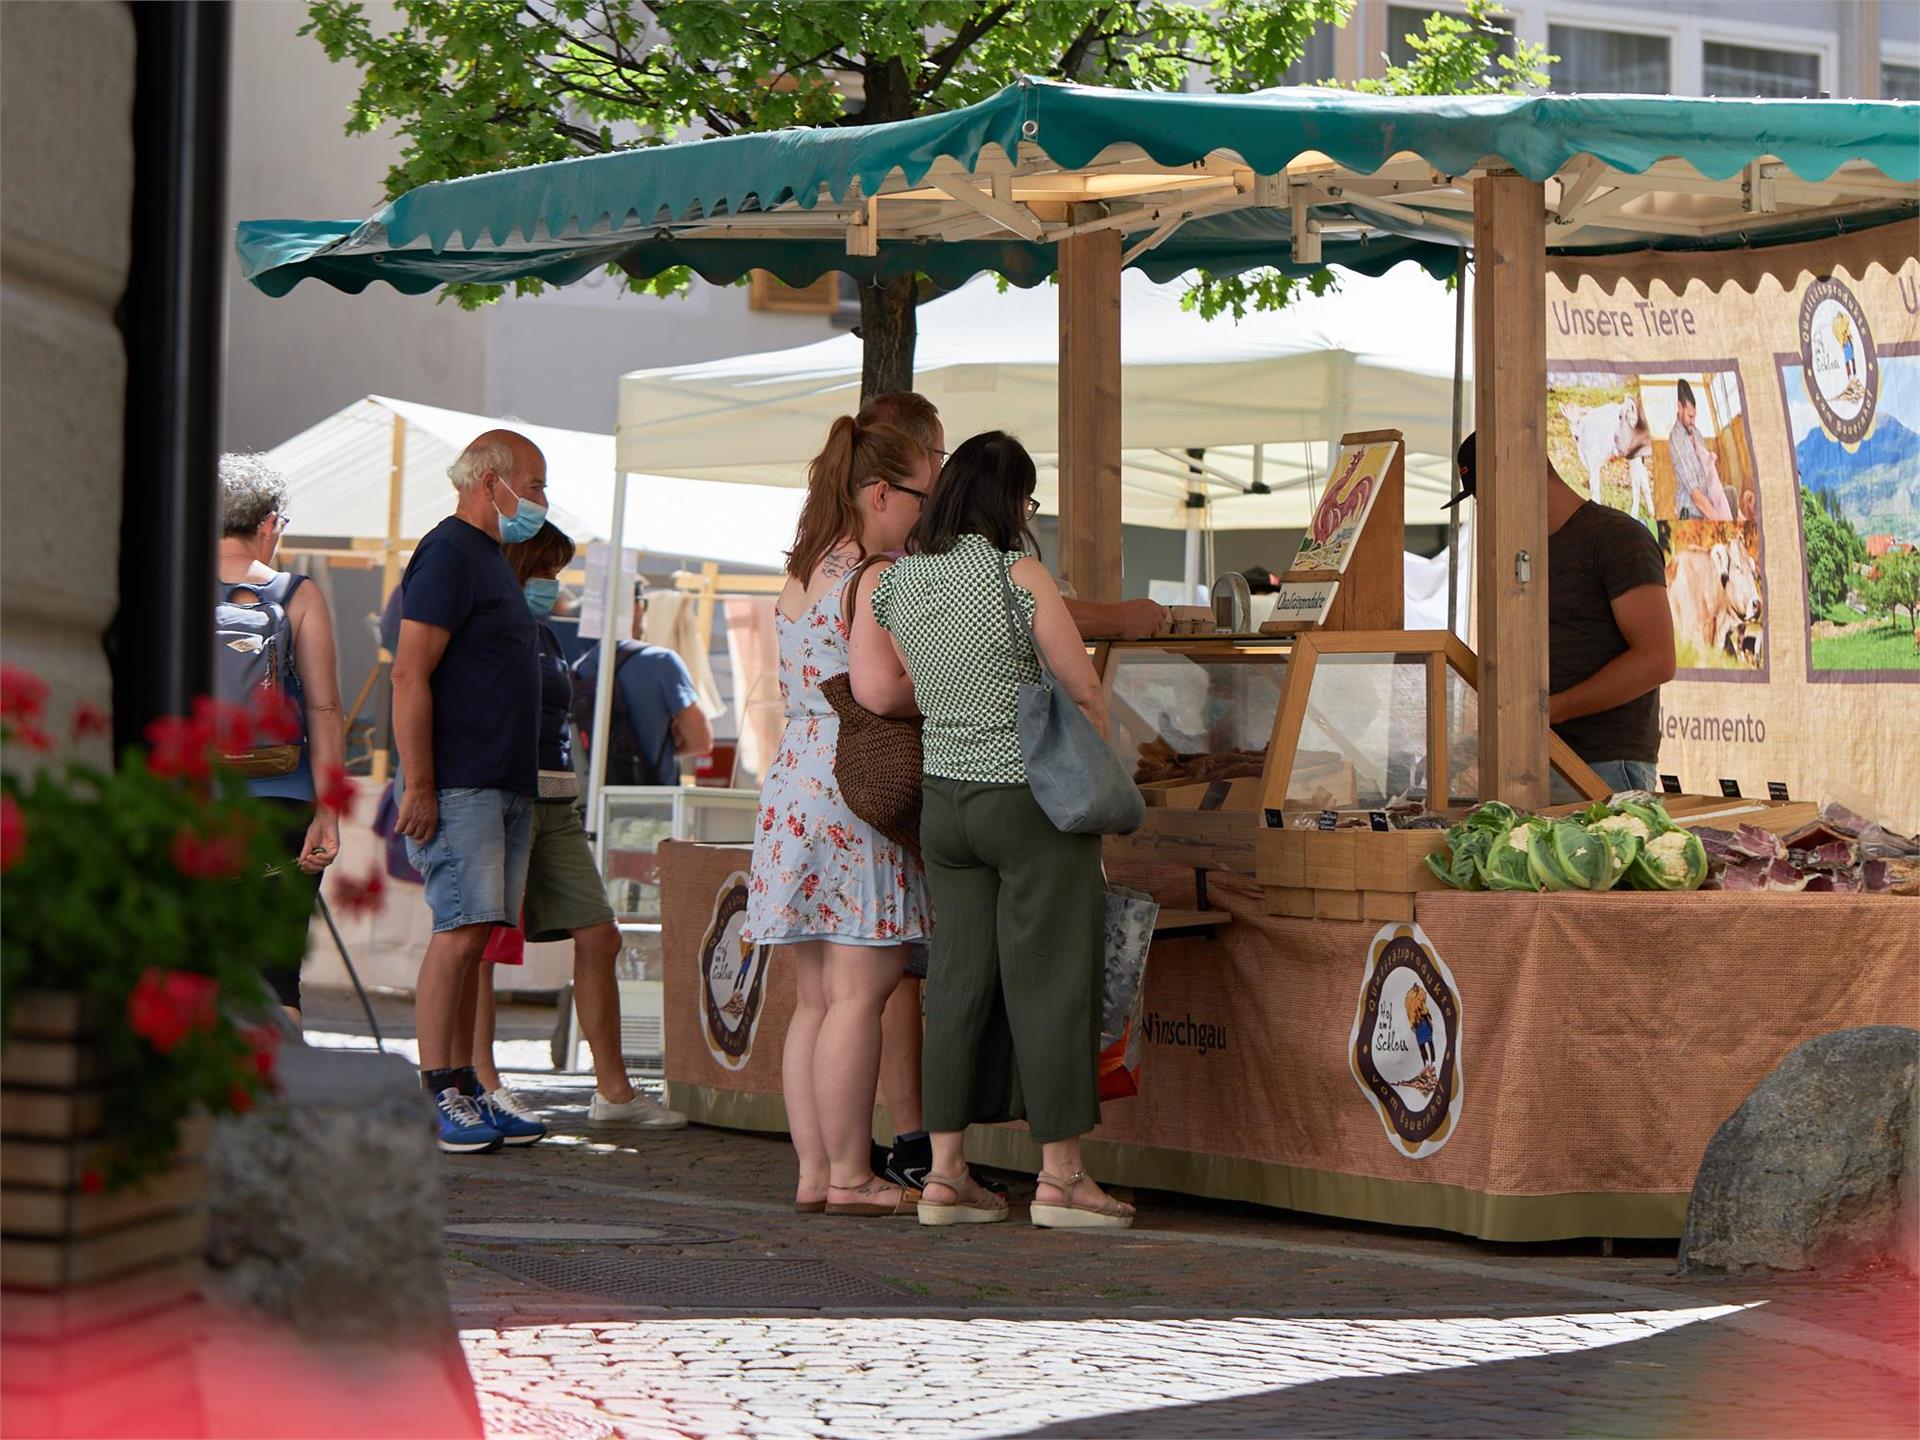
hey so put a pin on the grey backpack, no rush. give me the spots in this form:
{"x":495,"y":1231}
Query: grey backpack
{"x":253,"y":661}
{"x":1073,"y":773}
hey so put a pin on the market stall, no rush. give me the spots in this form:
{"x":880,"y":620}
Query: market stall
{"x":1326,"y":1025}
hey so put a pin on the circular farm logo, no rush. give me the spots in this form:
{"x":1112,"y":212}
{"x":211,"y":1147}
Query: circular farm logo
{"x":733,"y":977}
{"x":1841,"y":365}
{"x":1405,"y":1047}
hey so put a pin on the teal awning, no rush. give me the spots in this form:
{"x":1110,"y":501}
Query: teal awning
{"x":1217,"y":181}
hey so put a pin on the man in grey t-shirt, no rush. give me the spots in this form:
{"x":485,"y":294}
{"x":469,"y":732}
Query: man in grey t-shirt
{"x":1609,"y":631}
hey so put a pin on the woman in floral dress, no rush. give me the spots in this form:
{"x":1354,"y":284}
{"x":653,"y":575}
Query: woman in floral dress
{"x":845,"y":900}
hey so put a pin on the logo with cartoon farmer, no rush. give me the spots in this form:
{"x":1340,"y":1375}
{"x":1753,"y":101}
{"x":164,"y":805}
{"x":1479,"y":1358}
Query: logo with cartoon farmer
{"x":1405,"y":1049}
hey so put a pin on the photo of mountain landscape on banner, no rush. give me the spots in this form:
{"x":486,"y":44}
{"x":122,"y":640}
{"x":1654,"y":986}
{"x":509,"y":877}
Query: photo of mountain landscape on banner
{"x":1860,"y":527}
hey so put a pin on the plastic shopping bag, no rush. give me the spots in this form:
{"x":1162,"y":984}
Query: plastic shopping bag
{"x":1128,"y":936}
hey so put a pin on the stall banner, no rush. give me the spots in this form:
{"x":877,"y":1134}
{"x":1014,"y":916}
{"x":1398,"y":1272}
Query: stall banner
{"x":726,"y":999}
{"x":1766,"y":431}
{"x":1408,"y":1041}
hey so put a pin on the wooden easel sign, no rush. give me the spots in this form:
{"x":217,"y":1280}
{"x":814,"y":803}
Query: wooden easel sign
{"x":1358,"y":526}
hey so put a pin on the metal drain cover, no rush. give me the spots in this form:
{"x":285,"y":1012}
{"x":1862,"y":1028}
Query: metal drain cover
{"x":609,"y":1272}
{"x":534,"y":1231}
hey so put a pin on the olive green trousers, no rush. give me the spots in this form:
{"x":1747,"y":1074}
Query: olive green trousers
{"x":1013,"y":986}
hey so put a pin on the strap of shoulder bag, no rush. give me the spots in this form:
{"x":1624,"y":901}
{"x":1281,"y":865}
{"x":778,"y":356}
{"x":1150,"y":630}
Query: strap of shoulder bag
{"x":852,"y":592}
{"x":1017,"y":626}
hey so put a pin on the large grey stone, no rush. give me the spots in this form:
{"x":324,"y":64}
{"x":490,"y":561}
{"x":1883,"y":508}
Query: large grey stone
{"x":1807,"y":1173}
{"x":326,"y":1203}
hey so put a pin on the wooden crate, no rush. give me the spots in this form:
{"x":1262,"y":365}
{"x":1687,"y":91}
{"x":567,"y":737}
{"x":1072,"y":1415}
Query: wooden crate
{"x":1345,"y":874}
{"x":1204,"y":839}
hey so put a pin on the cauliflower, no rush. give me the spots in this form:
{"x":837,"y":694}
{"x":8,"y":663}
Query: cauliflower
{"x":1632,"y":824}
{"x":1517,"y":838}
{"x":1669,"y":853}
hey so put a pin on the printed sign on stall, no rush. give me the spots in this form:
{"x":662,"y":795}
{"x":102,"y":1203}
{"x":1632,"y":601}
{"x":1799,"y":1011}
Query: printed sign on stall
{"x":733,"y":977}
{"x":1405,"y":1046}
{"x":1359,"y":472}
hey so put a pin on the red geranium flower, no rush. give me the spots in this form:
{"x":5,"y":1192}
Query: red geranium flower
{"x":168,"y":1005}
{"x":13,"y":832}
{"x":264,"y":1042}
{"x":92,"y":1182}
{"x":360,"y":897}
{"x":208,"y":857}
{"x":239,"y":1099}
{"x":22,"y":694}
{"x":180,"y":749}
{"x":230,"y":725}
{"x":275,"y":719}
{"x":90,"y":719}
{"x":336,"y":791}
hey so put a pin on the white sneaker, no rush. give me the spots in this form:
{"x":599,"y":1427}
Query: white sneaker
{"x":643,"y":1110}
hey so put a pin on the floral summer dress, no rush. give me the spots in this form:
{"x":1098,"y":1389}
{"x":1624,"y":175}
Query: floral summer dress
{"x":820,"y":873}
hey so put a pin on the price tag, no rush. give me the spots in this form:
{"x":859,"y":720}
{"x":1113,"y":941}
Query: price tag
{"x":1378,"y":819}
{"x":1670,"y":784}
{"x":1329,"y":820}
{"x":1730,"y":789}
{"x":1777,"y":791}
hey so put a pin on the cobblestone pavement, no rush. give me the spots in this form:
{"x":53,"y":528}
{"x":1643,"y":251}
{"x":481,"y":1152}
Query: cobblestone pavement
{"x":614,"y":1284}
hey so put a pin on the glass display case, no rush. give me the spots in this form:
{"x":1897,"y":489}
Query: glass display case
{"x":1324,"y":720}
{"x":633,"y":820}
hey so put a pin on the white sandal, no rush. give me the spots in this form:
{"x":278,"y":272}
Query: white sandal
{"x":1109,"y":1214}
{"x":986,"y":1208}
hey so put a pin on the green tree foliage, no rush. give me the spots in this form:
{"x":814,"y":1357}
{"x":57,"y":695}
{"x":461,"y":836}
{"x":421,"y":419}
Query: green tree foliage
{"x":477,"y":85}
{"x":1894,"y":585}
{"x":1454,"y":55}
{"x":1834,"y":551}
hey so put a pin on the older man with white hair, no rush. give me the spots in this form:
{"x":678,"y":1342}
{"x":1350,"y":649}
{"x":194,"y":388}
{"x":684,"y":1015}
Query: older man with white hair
{"x":466,"y":718}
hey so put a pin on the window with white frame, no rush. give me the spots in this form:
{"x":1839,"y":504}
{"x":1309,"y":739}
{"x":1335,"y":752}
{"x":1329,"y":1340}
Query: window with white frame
{"x":1405,"y":20}
{"x":1750,"y":70}
{"x":1899,"y":82}
{"x":1606,"y":62}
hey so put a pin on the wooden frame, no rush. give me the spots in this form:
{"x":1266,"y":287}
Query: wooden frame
{"x":1442,"y":652}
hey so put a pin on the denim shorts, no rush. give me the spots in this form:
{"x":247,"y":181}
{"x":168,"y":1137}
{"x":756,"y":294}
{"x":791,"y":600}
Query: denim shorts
{"x":475,"y":866}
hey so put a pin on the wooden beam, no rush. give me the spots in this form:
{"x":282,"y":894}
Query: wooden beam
{"x":1510,"y":523}
{"x":1090,"y":414}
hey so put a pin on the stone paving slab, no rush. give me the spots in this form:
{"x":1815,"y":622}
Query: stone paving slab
{"x":1207,"y":1320}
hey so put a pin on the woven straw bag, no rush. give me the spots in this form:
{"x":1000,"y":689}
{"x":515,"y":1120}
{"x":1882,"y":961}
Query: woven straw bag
{"x":877,"y":762}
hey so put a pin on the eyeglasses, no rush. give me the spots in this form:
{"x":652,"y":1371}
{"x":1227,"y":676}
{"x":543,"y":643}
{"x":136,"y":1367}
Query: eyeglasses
{"x":1033,"y":507}
{"x":281,"y":522}
{"x":918,"y":494}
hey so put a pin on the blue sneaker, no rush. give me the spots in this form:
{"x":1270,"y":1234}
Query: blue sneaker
{"x":463,"y":1129}
{"x":508,"y":1114}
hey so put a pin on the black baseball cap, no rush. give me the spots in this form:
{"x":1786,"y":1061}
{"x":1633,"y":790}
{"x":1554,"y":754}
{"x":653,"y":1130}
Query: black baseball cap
{"x":1463,"y":468}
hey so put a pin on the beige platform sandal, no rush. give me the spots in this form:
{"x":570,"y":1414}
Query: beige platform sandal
{"x":984,"y":1208}
{"x":873,"y":1201}
{"x":1109,"y":1214}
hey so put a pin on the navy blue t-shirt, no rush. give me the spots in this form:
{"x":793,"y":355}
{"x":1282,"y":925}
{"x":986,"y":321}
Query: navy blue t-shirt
{"x":556,"y":703}
{"x":657,"y":688}
{"x":486,"y":688}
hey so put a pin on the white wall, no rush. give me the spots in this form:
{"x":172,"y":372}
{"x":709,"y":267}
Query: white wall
{"x":554,"y":359}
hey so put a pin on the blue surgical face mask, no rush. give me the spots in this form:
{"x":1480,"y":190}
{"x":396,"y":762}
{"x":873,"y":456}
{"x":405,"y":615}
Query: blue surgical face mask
{"x":525,"y":522}
{"x":541,"y":595}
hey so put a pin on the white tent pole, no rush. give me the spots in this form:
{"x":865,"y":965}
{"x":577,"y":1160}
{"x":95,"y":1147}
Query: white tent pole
{"x":605,"y":678}
{"x":1196,"y":516}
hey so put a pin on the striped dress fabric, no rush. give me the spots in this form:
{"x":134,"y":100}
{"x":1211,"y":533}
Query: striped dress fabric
{"x":949,"y":616}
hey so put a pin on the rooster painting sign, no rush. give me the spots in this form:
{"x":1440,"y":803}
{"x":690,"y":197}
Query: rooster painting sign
{"x":1405,"y":1047}
{"x":1358,"y":471}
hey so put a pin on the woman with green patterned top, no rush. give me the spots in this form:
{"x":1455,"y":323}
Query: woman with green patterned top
{"x":1013,"y":988}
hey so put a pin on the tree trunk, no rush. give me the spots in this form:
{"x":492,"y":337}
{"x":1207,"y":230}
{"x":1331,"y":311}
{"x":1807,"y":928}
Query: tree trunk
{"x":888,"y":326}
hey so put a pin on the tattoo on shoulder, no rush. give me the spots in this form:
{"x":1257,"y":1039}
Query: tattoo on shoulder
{"x":839,"y":561}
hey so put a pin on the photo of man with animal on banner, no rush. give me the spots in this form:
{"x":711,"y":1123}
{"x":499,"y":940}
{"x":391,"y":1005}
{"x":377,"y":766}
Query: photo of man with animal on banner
{"x":1761,"y":416}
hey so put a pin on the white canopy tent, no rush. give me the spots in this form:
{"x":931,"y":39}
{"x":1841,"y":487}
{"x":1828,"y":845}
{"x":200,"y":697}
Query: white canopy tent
{"x":1262,"y":398}
{"x":377,"y":470}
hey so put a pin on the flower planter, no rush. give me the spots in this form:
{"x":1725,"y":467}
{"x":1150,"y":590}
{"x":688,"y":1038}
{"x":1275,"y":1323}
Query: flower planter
{"x":102,"y":1289}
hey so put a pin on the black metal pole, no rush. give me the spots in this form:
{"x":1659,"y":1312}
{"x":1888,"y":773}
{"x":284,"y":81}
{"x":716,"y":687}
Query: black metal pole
{"x":172,"y":320}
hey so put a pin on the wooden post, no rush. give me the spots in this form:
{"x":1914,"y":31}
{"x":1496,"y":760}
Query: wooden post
{"x":1090,"y":414}
{"x":390,"y":567}
{"x":1510,"y":520}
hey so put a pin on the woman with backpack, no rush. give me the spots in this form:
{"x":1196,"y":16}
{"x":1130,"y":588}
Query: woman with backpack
{"x":274,"y":634}
{"x":565,"y":896}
